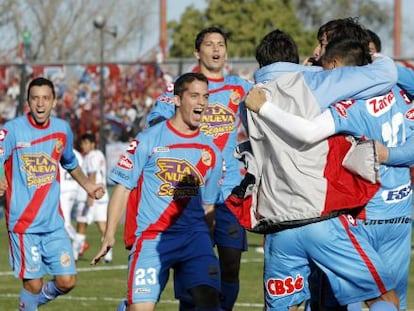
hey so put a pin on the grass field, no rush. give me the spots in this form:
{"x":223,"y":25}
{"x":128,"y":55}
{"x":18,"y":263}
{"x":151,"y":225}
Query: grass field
{"x":103,"y":286}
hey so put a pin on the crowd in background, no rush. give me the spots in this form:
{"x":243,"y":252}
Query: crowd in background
{"x":129,"y":93}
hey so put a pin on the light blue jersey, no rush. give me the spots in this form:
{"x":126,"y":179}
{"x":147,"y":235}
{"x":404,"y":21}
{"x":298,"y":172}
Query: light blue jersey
{"x":31,"y":156}
{"x":388,"y":119}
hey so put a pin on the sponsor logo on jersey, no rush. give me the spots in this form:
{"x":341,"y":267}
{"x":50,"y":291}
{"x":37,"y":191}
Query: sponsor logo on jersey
{"x":342,"y":106}
{"x":287,"y":286}
{"x":397,"y":194}
{"x":170,"y":87}
{"x":3,"y":134}
{"x":125,"y":163}
{"x":406,"y":99}
{"x":40,"y":169}
{"x":59,"y":146}
{"x":133,"y":145}
{"x":409,"y":115}
{"x":235,"y":97}
{"x":1,"y":151}
{"x":218,"y":120}
{"x":180,"y":178}
{"x":166,"y":99}
{"x":161,"y":149}
{"x":213,"y":272}
{"x":22,"y":144}
{"x":142,"y":290}
{"x":206,"y":157}
{"x":379,"y":105}
{"x":65,"y":259}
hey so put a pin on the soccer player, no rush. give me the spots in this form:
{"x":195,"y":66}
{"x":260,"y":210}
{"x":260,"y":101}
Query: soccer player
{"x":222,"y":123}
{"x":71,"y":195}
{"x":94,"y":166}
{"x":386,"y":219}
{"x":32,"y":146}
{"x":300,"y":191}
{"x":177,"y":170}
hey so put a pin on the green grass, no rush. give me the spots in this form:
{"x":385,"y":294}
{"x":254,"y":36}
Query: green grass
{"x":103,"y":286}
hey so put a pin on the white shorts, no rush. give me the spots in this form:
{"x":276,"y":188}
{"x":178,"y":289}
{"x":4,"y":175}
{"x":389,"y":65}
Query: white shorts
{"x":95,"y":213}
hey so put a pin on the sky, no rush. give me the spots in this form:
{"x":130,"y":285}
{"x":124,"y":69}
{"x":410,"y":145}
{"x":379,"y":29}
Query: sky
{"x":176,"y":7}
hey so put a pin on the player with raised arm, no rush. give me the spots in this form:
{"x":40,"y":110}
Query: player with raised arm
{"x":32,"y":146}
{"x":223,"y":124}
{"x":176,"y":170}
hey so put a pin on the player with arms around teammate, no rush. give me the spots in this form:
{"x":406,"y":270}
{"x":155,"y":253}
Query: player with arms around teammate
{"x":386,"y":219}
{"x":221,"y":122}
{"x":177,"y":170}
{"x":32,"y":146}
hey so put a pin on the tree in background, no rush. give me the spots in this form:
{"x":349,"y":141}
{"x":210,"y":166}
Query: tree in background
{"x":63,"y":31}
{"x":247,"y":21}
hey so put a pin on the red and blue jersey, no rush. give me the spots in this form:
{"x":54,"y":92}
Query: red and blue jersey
{"x":388,"y":119}
{"x":31,"y":156}
{"x":221,"y":121}
{"x":172,"y":175}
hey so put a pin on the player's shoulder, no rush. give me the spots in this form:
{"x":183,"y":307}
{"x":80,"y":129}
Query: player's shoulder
{"x":237,"y":80}
{"x":58,"y":122}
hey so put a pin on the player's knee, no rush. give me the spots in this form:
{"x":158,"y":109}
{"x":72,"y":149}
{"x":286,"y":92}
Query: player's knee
{"x":205,"y":296}
{"x":33,"y":286}
{"x":65,"y":283}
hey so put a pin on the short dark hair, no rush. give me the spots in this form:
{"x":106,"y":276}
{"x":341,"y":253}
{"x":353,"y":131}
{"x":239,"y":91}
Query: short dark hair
{"x":180,"y":85}
{"x":200,"y":36}
{"x":373,"y":37}
{"x":351,"y":52}
{"x":89,"y":137}
{"x":40,"y":81}
{"x":344,"y":27}
{"x":277,"y":46}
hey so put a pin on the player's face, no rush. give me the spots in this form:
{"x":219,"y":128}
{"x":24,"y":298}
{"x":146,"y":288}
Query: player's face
{"x":320,"y":48}
{"x":212,"y":54}
{"x":86,"y":146}
{"x":191,"y":106}
{"x":41,"y":102}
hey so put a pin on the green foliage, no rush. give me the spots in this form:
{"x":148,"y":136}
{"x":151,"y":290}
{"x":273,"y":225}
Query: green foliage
{"x":247,"y":21}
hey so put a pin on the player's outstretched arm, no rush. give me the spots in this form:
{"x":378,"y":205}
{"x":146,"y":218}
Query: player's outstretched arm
{"x":296,"y":127}
{"x":95,"y":191}
{"x":116,"y":208}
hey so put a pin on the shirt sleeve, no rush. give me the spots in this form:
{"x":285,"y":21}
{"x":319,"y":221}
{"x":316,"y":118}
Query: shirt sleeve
{"x":357,"y":82}
{"x":303,"y":130}
{"x":406,"y":79}
{"x":402,"y":155}
{"x":164,"y":108}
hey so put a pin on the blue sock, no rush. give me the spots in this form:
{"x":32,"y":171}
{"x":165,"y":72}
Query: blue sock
{"x":122,"y":305}
{"x":27,"y":301}
{"x":356,"y":306}
{"x":229,"y":292}
{"x":382,"y":306}
{"x":49,"y":292}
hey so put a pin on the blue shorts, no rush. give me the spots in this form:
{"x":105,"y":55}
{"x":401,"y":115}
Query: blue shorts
{"x":189,"y":254}
{"x":392,"y":240}
{"x":32,"y":255}
{"x":228,"y":232}
{"x":355,"y":270}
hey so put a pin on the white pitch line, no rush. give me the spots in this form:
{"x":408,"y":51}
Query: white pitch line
{"x":112,"y":299}
{"x":124,"y":267}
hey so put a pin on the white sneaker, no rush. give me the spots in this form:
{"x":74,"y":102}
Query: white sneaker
{"x":108,"y":256}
